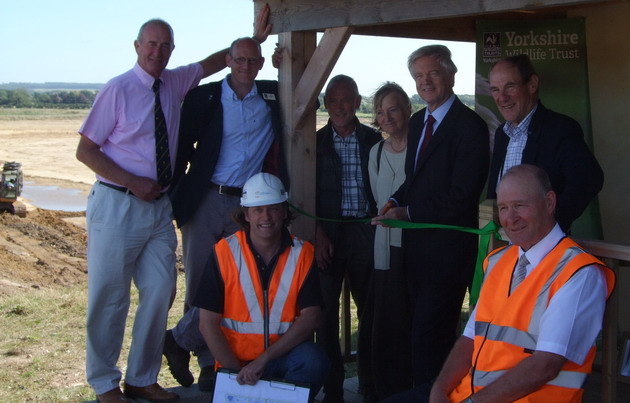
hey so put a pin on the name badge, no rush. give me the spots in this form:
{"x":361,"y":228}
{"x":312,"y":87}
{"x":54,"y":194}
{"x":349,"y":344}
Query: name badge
{"x":270,"y":97}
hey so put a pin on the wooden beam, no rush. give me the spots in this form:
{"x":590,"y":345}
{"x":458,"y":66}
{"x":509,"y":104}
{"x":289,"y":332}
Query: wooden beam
{"x":299,"y":143}
{"x":317,"y":71}
{"x":306,"y":15}
{"x":454,"y":29}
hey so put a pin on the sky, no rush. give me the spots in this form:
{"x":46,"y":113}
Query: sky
{"x":87,"y":41}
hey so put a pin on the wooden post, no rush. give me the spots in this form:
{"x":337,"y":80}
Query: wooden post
{"x":299,"y":141}
{"x":609,"y":340}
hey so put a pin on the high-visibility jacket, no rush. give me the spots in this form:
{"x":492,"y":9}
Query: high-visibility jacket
{"x":255,"y":315}
{"x":507,"y":326}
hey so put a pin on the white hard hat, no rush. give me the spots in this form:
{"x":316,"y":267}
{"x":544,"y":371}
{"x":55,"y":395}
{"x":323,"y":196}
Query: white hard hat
{"x":263,"y":189}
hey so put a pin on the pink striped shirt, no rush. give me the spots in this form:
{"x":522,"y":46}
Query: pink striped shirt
{"x":122,"y":118}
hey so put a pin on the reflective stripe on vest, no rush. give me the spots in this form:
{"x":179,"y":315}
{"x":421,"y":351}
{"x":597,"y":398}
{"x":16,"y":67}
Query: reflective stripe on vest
{"x":566,"y":379}
{"x":517,"y":337}
{"x":508,"y":325}
{"x":249,"y":291}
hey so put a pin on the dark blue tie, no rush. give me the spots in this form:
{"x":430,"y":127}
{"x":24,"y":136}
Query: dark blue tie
{"x":162,"y":154}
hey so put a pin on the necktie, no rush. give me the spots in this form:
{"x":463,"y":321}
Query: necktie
{"x":519,"y":273}
{"x":162,"y":154}
{"x":428,"y":133}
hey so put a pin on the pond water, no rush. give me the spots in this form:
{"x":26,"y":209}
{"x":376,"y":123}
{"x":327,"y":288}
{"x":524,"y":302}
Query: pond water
{"x":52,"y":197}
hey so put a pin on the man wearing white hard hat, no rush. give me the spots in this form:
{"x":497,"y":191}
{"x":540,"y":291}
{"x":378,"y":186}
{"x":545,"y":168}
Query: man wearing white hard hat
{"x":263,"y":262}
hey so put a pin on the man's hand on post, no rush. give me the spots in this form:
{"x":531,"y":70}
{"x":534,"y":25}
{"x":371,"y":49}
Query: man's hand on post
{"x":262,"y":28}
{"x":277,"y":56}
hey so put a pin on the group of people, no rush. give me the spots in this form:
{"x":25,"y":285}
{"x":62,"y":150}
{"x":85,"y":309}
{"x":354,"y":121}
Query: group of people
{"x":211,"y":158}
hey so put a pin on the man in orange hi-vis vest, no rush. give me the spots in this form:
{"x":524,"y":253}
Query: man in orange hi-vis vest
{"x":531,"y":337}
{"x":259,"y":299}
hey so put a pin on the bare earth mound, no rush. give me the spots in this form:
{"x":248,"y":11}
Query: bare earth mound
{"x":41,"y":250}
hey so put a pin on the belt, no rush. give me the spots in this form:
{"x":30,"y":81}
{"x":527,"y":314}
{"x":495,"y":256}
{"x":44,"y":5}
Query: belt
{"x":227,"y":190}
{"x":124,"y":189}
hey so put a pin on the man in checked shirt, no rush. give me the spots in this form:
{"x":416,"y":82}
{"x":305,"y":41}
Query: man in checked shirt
{"x":343,"y":248}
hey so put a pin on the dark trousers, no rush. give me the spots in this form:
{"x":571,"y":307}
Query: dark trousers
{"x":437,"y":285}
{"x":352,"y":257}
{"x":387,"y":321}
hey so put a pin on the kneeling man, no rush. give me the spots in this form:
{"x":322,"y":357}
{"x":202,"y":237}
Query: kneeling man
{"x":260,"y":300}
{"x":531,"y":337}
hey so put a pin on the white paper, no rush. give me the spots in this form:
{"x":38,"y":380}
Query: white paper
{"x":227,"y":390}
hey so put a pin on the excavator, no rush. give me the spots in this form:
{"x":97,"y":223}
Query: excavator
{"x":11,"y":181}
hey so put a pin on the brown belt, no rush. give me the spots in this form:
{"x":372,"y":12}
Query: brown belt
{"x":227,"y":190}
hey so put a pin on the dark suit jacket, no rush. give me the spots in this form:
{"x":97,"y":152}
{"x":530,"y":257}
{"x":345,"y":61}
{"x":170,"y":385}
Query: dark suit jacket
{"x":200,"y":137}
{"x":555,"y":143}
{"x":439,"y":263}
{"x":444,"y":189}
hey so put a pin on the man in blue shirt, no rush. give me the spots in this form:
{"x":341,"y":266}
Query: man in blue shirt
{"x":230,"y":130}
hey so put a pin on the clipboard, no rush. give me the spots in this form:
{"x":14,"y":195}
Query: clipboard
{"x":227,"y":390}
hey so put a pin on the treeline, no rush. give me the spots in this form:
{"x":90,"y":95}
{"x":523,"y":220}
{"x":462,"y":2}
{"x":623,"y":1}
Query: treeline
{"x":416,"y":103}
{"x":83,"y":99}
{"x":22,"y":98}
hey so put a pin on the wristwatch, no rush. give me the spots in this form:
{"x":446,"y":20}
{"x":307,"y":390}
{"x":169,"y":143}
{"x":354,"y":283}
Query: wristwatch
{"x":468,"y":400}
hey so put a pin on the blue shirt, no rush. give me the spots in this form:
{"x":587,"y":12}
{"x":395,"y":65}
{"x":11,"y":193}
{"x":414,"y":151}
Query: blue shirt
{"x":247,"y":136}
{"x":516,"y":145}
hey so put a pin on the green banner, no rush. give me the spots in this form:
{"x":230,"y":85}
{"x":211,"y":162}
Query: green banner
{"x":557,"y":48}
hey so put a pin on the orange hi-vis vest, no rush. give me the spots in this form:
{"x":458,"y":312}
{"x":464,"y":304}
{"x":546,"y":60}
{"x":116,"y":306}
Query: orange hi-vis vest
{"x":256,"y":315}
{"x":507,"y":326}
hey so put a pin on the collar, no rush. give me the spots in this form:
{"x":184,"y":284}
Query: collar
{"x":514,"y":130}
{"x":145,"y":78}
{"x":440,"y":112}
{"x":228,"y":91}
{"x":537,"y":253}
{"x":337,"y":135}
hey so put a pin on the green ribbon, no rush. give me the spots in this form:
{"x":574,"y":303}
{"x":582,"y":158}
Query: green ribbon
{"x":484,"y":233}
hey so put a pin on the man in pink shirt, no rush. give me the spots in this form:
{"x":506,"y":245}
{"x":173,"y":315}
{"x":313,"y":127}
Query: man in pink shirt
{"x":129,"y":140}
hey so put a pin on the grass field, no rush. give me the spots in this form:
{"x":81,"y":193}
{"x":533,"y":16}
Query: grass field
{"x":47,"y":327}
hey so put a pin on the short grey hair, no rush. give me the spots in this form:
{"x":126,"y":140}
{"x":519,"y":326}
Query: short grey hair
{"x":440,"y":52}
{"x":156,"y":21}
{"x":343,"y":79}
{"x":541,"y":179}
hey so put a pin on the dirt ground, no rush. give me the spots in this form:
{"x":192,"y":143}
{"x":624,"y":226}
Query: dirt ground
{"x":46,"y":248}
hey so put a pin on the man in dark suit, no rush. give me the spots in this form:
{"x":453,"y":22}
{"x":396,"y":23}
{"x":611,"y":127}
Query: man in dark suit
{"x":446,"y":167}
{"x":533,"y":134}
{"x":343,"y":248}
{"x":230,"y":130}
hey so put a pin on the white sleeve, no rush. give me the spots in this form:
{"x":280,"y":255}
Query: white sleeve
{"x":469,"y":330}
{"x":574,"y":316}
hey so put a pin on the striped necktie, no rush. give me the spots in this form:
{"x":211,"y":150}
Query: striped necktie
{"x":162,"y":154}
{"x":519,"y":273}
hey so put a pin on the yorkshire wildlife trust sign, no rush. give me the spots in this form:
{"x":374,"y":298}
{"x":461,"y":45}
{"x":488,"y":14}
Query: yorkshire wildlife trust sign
{"x":557,"y":49}
{"x":552,"y":44}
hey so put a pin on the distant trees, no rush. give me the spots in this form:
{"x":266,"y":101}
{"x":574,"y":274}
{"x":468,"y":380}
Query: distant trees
{"x":416,"y":103}
{"x":21,"y":98}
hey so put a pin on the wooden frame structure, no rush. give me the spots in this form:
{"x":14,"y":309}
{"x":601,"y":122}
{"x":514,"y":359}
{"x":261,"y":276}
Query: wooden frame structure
{"x":306,"y":66}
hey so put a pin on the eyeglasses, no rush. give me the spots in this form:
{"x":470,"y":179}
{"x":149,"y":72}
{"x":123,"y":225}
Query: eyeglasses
{"x":243,"y":60}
